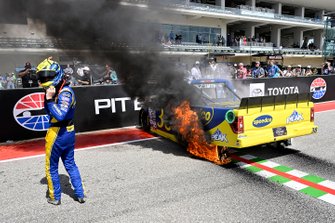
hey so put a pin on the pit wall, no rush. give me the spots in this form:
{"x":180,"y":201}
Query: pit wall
{"x":105,"y":107}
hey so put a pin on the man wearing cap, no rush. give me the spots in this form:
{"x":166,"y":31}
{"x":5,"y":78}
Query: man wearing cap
{"x":234,"y":71}
{"x":257,"y":71}
{"x":309,"y":71}
{"x":298,"y":71}
{"x":28,"y":76}
{"x":288,"y":72}
{"x":195,"y":71}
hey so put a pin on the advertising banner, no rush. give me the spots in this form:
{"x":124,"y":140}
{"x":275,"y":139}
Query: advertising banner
{"x":320,"y":87}
{"x":98,"y":107}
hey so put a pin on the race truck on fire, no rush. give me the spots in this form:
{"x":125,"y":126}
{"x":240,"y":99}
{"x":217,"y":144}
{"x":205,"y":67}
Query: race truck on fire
{"x":229,"y":121}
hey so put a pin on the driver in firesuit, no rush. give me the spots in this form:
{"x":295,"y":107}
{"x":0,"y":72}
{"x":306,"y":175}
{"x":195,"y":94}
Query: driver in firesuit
{"x":59,"y":103}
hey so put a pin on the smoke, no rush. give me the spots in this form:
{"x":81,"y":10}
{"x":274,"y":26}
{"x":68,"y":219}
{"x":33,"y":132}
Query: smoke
{"x":122,"y":35}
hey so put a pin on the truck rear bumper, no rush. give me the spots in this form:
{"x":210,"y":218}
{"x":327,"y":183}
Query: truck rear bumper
{"x":266,"y":136}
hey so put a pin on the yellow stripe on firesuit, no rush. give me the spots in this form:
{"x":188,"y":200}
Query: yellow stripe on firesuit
{"x":50,"y":140}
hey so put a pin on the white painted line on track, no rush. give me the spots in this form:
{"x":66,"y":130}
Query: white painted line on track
{"x":297,"y":173}
{"x":295,"y":185}
{"x":328,"y":183}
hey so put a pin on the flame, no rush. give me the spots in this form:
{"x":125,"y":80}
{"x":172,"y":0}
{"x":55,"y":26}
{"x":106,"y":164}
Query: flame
{"x":188,"y":125}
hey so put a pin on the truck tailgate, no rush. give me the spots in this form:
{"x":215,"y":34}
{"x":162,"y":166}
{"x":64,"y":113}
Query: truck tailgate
{"x":275,"y":118}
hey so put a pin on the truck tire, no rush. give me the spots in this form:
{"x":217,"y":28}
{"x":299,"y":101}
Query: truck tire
{"x":144,"y":121}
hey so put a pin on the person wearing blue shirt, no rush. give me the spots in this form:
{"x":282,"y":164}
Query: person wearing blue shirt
{"x":273,"y":70}
{"x":258,"y":71}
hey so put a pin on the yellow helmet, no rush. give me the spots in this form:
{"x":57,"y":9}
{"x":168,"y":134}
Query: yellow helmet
{"x":49,"y":73}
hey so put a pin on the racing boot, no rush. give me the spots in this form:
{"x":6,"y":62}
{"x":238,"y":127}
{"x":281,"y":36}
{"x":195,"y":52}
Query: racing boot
{"x":80,"y":200}
{"x":54,"y":202}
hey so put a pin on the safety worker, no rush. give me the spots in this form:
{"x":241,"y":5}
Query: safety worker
{"x":59,"y":103}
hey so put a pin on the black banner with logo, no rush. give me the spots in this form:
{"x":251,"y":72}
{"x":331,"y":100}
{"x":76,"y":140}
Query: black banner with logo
{"x":320,"y":87}
{"x":108,"y":106}
{"x":98,"y":107}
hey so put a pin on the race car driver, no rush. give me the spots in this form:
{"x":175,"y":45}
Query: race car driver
{"x":59,"y":103}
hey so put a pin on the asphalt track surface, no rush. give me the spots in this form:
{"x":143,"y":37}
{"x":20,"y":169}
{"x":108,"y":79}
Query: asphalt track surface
{"x":156,"y":181}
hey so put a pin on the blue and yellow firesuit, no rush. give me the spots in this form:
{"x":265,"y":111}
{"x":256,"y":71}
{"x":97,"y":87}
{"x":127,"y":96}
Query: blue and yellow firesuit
{"x":60,"y":141}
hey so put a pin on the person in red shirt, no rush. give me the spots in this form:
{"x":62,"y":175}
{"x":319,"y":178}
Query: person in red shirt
{"x":241,"y":71}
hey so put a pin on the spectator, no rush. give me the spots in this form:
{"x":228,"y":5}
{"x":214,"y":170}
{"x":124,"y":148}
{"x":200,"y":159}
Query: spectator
{"x":273,"y":70}
{"x":297,"y":72}
{"x":85,"y":76}
{"x":241,"y":71}
{"x":106,"y":76}
{"x":288,"y":72}
{"x":171,"y":37}
{"x":326,"y":68}
{"x":315,"y":71}
{"x":257,"y":71}
{"x":110,"y":75}
{"x":195,"y":71}
{"x":198,"y":38}
{"x":244,"y":40}
{"x":114,"y":77}
{"x":178,"y":39}
{"x":2,"y":82}
{"x":68,"y":71}
{"x":11,"y":81}
{"x":163,"y":39}
{"x":304,"y":44}
{"x":221,"y":41}
{"x":234,"y":71}
{"x":214,"y":70}
{"x":28,"y":76}
{"x":309,"y":71}
{"x":73,"y":81}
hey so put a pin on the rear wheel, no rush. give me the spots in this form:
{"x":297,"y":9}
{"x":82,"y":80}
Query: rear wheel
{"x":144,"y":121}
{"x":222,"y":155}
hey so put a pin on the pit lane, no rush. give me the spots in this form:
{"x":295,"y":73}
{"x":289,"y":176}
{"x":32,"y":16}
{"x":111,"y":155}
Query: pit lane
{"x":156,"y":181}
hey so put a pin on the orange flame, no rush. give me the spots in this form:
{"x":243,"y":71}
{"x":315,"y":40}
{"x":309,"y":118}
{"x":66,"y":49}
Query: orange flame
{"x":187,"y":122}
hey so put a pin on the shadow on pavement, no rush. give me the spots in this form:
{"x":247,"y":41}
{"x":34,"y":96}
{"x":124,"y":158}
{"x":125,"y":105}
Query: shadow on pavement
{"x":64,"y":183}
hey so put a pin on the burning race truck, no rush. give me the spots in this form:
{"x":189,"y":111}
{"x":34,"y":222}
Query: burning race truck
{"x":220,"y":119}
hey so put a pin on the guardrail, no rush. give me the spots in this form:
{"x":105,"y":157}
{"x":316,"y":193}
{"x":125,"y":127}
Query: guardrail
{"x":238,"y":49}
{"x":249,"y":47}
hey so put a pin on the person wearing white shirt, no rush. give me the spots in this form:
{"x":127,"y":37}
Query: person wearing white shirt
{"x":195,"y":71}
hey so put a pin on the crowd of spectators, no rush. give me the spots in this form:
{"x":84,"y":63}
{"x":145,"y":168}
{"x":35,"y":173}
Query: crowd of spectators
{"x":242,"y":40}
{"x":91,"y":75}
{"x":231,"y":40}
{"x":82,"y":75}
{"x":258,"y":70}
{"x":171,"y":38}
{"x":273,"y":70}
{"x":77,"y":76}
{"x":8,"y":81}
{"x":219,"y":40}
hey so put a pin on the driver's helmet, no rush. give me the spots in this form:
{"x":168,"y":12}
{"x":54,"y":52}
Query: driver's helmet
{"x":49,"y":73}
